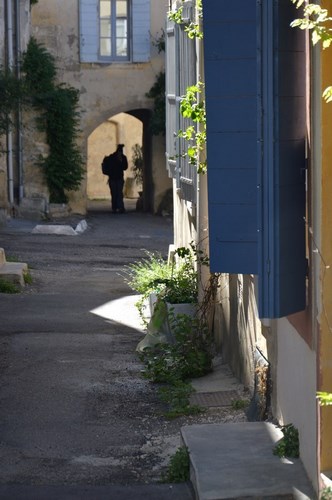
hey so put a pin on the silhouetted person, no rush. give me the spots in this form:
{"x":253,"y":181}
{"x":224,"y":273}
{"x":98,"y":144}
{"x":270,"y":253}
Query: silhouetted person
{"x":114,"y":165}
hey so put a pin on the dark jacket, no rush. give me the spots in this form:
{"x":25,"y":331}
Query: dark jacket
{"x":115,"y":165}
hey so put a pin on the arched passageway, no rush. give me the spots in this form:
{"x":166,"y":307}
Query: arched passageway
{"x":130,"y":129}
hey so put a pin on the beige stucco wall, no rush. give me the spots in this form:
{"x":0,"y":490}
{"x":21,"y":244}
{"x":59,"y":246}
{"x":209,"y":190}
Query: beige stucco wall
{"x":105,"y":89}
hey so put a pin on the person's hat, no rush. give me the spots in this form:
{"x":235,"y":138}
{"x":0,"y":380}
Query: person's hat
{"x":120,"y":146}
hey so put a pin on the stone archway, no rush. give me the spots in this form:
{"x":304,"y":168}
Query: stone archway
{"x":129,"y":128}
{"x":121,"y":128}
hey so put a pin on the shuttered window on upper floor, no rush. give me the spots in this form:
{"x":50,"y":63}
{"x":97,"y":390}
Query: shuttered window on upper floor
{"x":114,"y":30}
{"x":256,"y":128}
{"x":180,"y":74}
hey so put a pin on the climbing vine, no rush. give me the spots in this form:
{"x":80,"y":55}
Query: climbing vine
{"x":192,"y":29}
{"x":192,"y":106}
{"x":57,"y":105}
{"x":194,"y":109}
{"x":157,"y":93}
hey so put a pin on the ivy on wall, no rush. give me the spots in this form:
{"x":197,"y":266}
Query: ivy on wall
{"x":57,"y":105}
{"x":157,"y":92}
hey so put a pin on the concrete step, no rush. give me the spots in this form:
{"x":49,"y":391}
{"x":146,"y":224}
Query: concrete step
{"x":12,"y":271}
{"x":234,"y":461}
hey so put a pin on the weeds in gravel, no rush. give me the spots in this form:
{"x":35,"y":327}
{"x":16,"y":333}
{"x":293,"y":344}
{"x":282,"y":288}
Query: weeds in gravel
{"x":179,"y":467}
{"x":240,"y":404}
{"x":177,"y":396}
{"x":27,"y":278}
{"x":8,"y":287}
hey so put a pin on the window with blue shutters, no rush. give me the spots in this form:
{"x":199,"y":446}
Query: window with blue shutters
{"x":114,"y":30}
{"x":256,"y":126}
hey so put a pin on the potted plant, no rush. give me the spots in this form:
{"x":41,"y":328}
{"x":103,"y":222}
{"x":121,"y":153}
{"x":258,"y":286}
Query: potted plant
{"x":137,"y":160}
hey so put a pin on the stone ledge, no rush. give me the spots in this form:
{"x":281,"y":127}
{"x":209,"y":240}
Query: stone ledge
{"x":12,"y":271}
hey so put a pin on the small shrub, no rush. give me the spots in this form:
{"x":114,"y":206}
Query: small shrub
{"x":288,"y":446}
{"x":179,"y":467}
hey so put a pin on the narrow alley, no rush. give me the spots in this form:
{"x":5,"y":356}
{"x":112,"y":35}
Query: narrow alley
{"x":77,"y":419}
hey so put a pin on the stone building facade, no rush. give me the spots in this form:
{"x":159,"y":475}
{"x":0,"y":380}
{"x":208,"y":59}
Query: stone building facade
{"x":112,"y":87}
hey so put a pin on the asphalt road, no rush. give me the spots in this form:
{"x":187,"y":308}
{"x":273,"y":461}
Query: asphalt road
{"x":77,"y":419}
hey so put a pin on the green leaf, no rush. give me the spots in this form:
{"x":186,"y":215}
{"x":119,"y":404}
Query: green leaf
{"x":325,"y":398}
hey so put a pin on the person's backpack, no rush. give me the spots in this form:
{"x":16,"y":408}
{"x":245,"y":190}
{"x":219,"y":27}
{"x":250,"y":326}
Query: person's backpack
{"x":106,"y":166}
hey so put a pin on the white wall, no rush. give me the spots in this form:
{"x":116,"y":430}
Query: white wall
{"x":296,"y":390}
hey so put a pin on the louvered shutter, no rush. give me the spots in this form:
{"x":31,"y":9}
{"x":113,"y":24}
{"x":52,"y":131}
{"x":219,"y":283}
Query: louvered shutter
{"x":172,"y":100}
{"x":187,"y":78}
{"x":89,"y":34}
{"x":180,"y":74}
{"x":141,"y":25}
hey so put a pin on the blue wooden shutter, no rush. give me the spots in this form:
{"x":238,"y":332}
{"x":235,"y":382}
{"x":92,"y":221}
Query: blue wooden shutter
{"x":232,"y":88}
{"x":255,"y":97}
{"x":89,"y":32}
{"x":141,"y":25}
{"x":282,"y":259}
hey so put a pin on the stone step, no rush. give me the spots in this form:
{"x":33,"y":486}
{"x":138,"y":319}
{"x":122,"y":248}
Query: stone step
{"x":12,"y":271}
{"x":236,"y":460}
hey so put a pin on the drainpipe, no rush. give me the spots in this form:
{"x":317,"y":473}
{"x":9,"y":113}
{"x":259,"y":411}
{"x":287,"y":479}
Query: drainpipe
{"x":10,"y":59}
{"x":19,"y":111}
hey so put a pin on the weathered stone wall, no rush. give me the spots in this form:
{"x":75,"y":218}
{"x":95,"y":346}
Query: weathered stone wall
{"x":35,"y":148}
